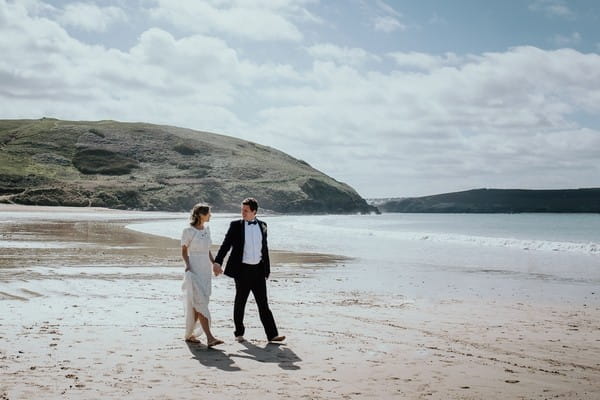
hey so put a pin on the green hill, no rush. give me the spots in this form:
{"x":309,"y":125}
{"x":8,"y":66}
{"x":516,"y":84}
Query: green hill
{"x":500,"y":201}
{"x":152,"y":167}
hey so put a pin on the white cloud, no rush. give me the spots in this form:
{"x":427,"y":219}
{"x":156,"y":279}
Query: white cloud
{"x":387,"y":24}
{"x":36,"y":7}
{"x":497,"y":119}
{"x":553,"y":8}
{"x":254,"y":20}
{"x":387,"y":8}
{"x":90,"y":17}
{"x":386,"y":18}
{"x":566,"y":41}
{"x":342,"y":55}
{"x":424,"y":61}
{"x":158,"y":80}
{"x":429,"y":123}
{"x":435,"y":19}
{"x":198,"y":58}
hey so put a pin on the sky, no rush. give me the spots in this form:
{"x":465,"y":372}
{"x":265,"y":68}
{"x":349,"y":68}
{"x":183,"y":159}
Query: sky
{"x":395,"y":98}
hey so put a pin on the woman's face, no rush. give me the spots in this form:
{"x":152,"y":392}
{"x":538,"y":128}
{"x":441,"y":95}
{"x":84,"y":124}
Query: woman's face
{"x":202,"y":218}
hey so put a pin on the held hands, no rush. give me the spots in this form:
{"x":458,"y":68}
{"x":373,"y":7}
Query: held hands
{"x":217,"y":270}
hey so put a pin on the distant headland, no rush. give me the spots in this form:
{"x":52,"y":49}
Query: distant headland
{"x":498,"y":201}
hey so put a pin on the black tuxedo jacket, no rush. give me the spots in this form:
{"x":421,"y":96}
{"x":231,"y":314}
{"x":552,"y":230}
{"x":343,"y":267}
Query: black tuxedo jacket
{"x":234,"y":240}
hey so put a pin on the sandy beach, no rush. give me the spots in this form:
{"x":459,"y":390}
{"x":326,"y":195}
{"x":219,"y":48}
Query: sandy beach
{"x":90,"y":309}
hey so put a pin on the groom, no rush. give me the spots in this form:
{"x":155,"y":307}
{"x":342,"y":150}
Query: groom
{"x":249,"y":266}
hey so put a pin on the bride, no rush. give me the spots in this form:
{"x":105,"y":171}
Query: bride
{"x":195,"y":251}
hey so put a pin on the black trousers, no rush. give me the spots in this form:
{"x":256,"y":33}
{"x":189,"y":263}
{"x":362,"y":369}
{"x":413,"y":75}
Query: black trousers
{"x":252,"y":279}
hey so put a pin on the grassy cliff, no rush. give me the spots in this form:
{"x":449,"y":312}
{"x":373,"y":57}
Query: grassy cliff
{"x":151,"y":167}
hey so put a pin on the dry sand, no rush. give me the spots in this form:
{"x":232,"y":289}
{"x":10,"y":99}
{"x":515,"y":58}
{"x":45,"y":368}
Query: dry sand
{"x":96,"y":314}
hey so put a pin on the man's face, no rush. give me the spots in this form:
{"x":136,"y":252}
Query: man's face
{"x":247,"y":213}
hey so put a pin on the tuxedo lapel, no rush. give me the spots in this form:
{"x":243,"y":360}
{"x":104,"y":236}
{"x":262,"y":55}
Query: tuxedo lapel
{"x":263,"y":228}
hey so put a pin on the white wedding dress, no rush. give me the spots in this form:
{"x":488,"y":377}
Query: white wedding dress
{"x":197,"y":281}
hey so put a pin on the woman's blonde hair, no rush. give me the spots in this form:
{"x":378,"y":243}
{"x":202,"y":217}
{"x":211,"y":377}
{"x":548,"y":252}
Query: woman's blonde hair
{"x":198,"y":210}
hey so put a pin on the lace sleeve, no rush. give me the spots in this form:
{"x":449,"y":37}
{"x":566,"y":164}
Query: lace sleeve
{"x":186,"y":238}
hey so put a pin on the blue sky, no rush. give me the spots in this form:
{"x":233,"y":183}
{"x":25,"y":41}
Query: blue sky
{"x":395,"y":98}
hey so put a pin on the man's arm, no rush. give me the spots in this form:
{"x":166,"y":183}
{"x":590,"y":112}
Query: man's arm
{"x":225,"y":246}
{"x":217,"y":270}
{"x":265,"y":253}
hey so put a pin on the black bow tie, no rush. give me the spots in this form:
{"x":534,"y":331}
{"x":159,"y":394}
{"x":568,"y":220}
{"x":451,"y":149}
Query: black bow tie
{"x":252,"y":222}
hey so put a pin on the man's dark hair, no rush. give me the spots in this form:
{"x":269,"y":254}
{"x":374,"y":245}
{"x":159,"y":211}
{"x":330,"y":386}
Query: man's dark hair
{"x":251,"y":202}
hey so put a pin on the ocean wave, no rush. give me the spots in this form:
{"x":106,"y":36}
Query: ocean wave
{"x":374,"y":234}
{"x":319,"y":234}
{"x":524,"y":244}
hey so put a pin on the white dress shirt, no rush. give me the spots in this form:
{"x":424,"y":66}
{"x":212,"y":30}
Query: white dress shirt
{"x":252,"y":244}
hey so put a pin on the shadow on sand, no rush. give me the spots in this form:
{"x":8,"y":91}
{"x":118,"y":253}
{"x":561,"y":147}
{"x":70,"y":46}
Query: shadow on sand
{"x":212,"y":357}
{"x":271,"y":353}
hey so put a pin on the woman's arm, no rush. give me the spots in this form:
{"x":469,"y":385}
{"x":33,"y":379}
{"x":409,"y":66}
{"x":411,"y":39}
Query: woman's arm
{"x":186,"y":257}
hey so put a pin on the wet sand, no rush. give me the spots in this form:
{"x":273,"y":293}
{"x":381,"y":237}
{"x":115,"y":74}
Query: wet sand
{"x":89,"y":309}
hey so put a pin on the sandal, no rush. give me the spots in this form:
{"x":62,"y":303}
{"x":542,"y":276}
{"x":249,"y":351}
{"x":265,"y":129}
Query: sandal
{"x":215,"y":342}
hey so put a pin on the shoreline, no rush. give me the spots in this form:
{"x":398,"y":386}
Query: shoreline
{"x":104,"y":320}
{"x":13,"y":207}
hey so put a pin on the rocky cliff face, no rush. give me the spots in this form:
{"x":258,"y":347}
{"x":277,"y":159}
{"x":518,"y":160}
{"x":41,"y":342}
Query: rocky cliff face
{"x":152,"y":167}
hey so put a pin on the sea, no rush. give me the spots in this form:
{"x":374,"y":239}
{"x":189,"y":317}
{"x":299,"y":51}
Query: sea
{"x":423,"y":257}
{"x":535,"y":256}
